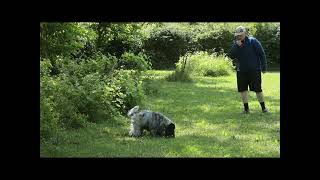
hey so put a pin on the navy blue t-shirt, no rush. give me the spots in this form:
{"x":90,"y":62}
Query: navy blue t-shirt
{"x":250,"y":57}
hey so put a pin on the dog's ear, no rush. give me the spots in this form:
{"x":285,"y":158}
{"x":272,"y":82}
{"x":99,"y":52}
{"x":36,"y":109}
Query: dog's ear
{"x":133,"y":110}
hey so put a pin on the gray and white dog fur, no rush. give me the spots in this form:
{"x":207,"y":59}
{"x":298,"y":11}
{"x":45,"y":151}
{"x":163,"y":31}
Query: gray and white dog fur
{"x":154,"y":122}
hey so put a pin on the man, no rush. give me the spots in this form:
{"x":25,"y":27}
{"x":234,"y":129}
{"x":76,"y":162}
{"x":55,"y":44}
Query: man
{"x":251,"y":61}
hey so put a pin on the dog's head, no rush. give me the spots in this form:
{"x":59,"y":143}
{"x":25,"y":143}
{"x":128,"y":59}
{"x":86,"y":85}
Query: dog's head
{"x":132,"y":111}
{"x":169,"y":132}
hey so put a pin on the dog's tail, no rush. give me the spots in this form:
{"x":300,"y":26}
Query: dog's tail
{"x":133,"y":111}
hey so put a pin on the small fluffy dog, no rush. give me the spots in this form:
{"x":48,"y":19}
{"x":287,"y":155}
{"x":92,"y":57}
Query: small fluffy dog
{"x":154,"y":122}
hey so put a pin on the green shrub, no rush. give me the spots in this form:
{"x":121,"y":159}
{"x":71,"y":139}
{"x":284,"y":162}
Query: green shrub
{"x":216,"y":39}
{"x":118,"y":38}
{"x":89,"y":79}
{"x":203,"y":64}
{"x":73,"y":97}
{"x":66,"y":99}
{"x":166,"y":44}
{"x":92,"y":100}
{"x":126,"y":89}
{"x":269,"y":36}
{"x":49,"y":126}
{"x":138,"y":62}
{"x":49,"y":118}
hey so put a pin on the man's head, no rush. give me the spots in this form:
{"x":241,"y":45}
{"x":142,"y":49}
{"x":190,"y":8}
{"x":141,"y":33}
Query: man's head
{"x":240,"y":33}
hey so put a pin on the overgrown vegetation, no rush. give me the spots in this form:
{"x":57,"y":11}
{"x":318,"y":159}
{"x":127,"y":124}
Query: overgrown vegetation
{"x":205,"y":64}
{"x":81,"y":84}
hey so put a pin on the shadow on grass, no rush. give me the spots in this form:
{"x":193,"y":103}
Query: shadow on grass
{"x":207,"y":101}
{"x":206,"y":146}
{"x":193,"y":146}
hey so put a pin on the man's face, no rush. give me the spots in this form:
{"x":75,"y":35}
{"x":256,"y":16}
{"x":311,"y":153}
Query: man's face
{"x":240,"y":37}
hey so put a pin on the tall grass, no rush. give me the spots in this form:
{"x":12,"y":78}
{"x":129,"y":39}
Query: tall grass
{"x":203,"y":64}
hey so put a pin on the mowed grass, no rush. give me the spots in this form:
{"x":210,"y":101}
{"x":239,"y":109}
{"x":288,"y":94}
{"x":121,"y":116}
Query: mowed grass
{"x":208,"y":118}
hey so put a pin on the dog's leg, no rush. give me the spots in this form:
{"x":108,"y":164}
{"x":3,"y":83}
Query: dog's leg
{"x":131,"y":130}
{"x":154,"y":133}
{"x":136,"y":131}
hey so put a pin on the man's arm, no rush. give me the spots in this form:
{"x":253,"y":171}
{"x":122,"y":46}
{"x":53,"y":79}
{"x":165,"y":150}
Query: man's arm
{"x":232,"y":54}
{"x":262,"y":55}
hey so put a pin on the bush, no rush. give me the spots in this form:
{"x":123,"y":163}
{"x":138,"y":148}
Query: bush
{"x":118,"y":38}
{"x":126,"y":89}
{"x":138,"y":62}
{"x":203,"y":64}
{"x":85,"y":83}
{"x":93,"y":100}
{"x":165,"y":45}
{"x":49,"y":118}
{"x":73,"y":97}
{"x":269,"y":36}
{"x":88,"y":91}
{"x":58,"y":110}
{"x":80,"y":81}
{"x":215,"y":40}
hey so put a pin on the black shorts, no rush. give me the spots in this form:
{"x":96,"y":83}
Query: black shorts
{"x":251,"y":79}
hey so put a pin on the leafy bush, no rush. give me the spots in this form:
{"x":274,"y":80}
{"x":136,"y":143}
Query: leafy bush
{"x":215,"y":40}
{"x":80,"y":82}
{"x":126,"y":89}
{"x":203,"y":64}
{"x":49,"y":118}
{"x":90,"y":90}
{"x":86,"y":82}
{"x":269,"y":36}
{"x":138,"y":62}
{"x":57,"y":109}
{"x":118,"y":38}
{"x":63,"y":38}
{"x":165,"y":45}
{"x":84,"y":92}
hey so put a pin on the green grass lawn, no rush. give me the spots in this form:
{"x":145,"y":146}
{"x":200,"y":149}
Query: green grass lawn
{"x":208,"y":118}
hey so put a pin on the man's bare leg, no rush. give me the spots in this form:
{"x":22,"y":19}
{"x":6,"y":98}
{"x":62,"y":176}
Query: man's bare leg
{"x":260,"y":98}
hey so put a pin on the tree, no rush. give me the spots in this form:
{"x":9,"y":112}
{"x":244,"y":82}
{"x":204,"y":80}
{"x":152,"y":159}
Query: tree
{"x":117,"y":38}
{"x":62,"y":39}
